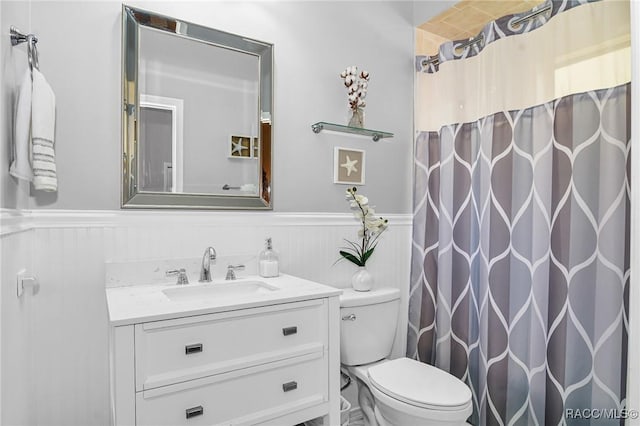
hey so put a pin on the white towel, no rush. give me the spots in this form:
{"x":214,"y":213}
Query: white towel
{"x":21,"y":158}
{"x":43,"y":120}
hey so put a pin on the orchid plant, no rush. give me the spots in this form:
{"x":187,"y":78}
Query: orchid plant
{"x":356,"y":85}
{"x":372,"y":228}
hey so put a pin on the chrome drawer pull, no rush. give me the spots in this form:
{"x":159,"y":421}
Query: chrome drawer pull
{"x":193,"y":349}
{"x":289,"y":386}
{"x":351,"y":317}
{"x":287,"y":331}
{"x":195,"y":411}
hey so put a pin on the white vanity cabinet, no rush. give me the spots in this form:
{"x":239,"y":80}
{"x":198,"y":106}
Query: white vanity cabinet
{"x":275,"y":364}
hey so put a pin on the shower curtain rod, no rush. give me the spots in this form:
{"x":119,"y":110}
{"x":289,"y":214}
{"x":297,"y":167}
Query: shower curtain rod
{"x":435,"y":59}
{"x":532,"y":15}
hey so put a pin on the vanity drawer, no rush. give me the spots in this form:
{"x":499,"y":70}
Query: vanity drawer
{"x":253,"y":395}
{"x":184,"y":349}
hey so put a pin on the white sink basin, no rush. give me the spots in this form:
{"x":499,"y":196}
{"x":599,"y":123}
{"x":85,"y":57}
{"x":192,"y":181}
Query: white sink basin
{"x":214,"y":290}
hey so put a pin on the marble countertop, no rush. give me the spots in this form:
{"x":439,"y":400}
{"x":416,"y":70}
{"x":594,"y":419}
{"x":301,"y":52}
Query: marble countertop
{"x":143,"y":303}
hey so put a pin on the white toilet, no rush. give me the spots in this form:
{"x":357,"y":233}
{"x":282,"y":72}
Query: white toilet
{"x":399,"y":392}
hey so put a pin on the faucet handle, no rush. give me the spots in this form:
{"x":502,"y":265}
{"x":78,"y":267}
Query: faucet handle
{"x":180,"y":273}
{"x":231,"y":271}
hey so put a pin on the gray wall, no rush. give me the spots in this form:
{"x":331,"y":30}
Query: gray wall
{"x":314,"y":42}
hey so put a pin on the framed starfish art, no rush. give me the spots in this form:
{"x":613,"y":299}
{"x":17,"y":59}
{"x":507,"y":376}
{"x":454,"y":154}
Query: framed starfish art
{"x":348,"y":166}
{"x":240,"y":147}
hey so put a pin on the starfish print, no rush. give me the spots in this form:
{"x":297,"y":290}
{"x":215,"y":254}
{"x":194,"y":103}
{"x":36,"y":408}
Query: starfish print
{"x":237,"y":147}
{"x":350,"y":165}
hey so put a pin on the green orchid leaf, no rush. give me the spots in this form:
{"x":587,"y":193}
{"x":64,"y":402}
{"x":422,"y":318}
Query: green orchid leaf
{"x":368,"y":254}
{"x":355,"y":248}
{"x":350,"y":257}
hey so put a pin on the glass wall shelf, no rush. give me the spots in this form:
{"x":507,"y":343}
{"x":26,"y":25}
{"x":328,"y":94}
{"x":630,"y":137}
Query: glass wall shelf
{"x":375,"y":134}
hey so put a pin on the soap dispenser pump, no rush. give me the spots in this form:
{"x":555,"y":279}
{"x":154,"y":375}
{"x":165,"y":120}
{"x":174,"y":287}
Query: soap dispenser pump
{"x":268,"y":261}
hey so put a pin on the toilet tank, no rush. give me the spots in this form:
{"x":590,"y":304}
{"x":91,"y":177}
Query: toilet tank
{"x":368,"y":324}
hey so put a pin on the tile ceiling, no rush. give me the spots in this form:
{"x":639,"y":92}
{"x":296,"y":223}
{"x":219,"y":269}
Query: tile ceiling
{"x":466,"y":18}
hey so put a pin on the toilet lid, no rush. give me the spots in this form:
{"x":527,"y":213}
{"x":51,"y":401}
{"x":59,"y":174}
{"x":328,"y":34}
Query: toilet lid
{"x":420,"y":384}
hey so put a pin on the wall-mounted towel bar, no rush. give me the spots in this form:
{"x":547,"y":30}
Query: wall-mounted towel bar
{"x":18,"y":37}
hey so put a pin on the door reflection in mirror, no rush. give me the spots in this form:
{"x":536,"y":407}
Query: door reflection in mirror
{"x":161,"y":142}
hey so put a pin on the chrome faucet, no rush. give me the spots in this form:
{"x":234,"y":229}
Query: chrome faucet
{"x":205,"y":270}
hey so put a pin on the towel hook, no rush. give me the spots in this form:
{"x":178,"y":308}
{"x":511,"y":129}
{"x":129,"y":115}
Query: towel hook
{"x":18,"y":37}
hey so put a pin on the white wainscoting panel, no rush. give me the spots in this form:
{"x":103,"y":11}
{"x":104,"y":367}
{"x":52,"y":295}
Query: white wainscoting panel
{"x":71,"y":331}
{"x":18,"y":404}
{"x":69,"y":354}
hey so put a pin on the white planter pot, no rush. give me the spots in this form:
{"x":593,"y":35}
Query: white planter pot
{"x":362,"y":280}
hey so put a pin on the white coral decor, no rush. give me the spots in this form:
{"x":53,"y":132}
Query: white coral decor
{"x":356,"y":85}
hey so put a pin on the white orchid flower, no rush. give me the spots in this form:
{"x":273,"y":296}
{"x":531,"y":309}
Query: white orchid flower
{"x":369,"y":232}
{"x":361,"y":199}
{"x":359,"y":212}
{"x":373,"y":222}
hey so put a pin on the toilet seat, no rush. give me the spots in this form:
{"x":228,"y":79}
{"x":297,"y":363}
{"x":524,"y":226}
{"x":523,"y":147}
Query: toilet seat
{"x":420,"y":385}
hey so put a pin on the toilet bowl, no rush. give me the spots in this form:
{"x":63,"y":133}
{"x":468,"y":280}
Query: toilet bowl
{"x":398,"y":392}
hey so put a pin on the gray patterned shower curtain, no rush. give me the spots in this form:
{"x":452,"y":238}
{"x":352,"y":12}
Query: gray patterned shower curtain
{"x":520,"y":261}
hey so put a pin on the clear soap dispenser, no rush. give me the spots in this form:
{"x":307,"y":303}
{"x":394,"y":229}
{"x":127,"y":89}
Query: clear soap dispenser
{"x":268,"y":261}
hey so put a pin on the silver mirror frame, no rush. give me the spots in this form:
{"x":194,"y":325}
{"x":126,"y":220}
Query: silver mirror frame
{"x":131,"y":198}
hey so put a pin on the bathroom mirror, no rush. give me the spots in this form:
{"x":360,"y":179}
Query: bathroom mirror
{"x":197,"y":116}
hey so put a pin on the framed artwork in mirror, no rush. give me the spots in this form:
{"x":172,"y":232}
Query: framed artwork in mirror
{"x":240,"y":147}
